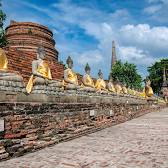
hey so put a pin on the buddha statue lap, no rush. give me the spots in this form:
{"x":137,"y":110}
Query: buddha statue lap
{"x":124,"y":89}
{"x":9,"y":80}
{"x":87,"y":81}
{"x":70,"y":77}
{"x":41,"y":75}
{"x":130,"y":92}
{"x":110,"y":85}
{"x":101,"y":84}
{"x":118,"y":88}
{"x":148,"y":91}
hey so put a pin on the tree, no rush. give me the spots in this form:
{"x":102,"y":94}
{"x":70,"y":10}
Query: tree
{"x":127,"y":73}
{"x":3,"y":41}
{"x":156,"y":74}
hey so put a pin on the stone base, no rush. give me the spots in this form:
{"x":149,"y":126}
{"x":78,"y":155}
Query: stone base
{"x":46,"y":89}
{"x":11,"y":86}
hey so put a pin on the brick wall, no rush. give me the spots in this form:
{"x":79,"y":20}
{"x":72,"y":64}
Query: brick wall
{"x":33,"y":126}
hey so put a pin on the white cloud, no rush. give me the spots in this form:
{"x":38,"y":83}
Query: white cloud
{"x":136,"y":56}
{"x":157,"y":11}
{"x":152,"y":9}
{"x":91,"y":57}
{"x":152,"y":39}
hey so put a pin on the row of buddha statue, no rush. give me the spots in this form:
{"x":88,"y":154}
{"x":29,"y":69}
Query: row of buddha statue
{"x":41,"y":75}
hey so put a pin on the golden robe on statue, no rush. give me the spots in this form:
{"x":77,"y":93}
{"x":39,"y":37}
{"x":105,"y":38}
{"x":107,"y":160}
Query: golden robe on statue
{"x":118,"y":89}
{"x":100,"y":84}
{"x":147,"y":92}
{"x":3,"y":60}
{"x":45,"y":72}
{"x":88,"y":81}
{"x":71,"y":77}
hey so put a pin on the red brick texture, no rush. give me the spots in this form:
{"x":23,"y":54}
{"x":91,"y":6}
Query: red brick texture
{"x":27,"y":36}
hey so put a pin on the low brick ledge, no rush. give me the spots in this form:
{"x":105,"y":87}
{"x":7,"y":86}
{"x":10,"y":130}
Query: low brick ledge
{"x":71,"y":135}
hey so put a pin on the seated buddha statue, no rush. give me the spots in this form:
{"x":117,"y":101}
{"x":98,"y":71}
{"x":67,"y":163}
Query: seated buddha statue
{"x":148,"y":91}
{"x":100,"y":83}
{"x":118,"y":87}
{"x":6,"y":74}
{"x":129,"y":90}
{"x":124,"y":89}
{"x":70,"y":77}
{"x":110,"y":85}
{"x":87,"y":81}
{"x":133,"y":92}
{"x":41,"y":74}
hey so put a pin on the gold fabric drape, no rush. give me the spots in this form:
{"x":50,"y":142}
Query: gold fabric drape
{"x":45,"y":72}
{"x":148,"y":93}
{"x":3,"y":60}
{"x":89,"y":81}
{"x":100,"y":84}
{"x":72,"y":76}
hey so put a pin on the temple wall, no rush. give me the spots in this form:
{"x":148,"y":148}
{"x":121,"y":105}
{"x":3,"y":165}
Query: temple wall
{"x":34,"y":125}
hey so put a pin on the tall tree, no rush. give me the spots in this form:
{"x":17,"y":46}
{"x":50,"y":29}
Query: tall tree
{"x":3,"y":41}
{"x":127,"y":73}
{"x":156,"y":74}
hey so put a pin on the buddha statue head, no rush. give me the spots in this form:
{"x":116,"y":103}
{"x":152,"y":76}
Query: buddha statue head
{"x":148,"y":82}
{"x":124,"y":84}
{"x":100,"y":74}
{"x":111,"y":79}
{"x":117,"y":81}
{"x":87,"y":69}
{"x":69,"y":62}
{"x":41,"y":54}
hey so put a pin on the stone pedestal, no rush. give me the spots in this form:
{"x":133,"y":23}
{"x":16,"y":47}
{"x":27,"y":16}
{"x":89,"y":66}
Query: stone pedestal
{"x":12,"y":86}
{"x":46,"y":89}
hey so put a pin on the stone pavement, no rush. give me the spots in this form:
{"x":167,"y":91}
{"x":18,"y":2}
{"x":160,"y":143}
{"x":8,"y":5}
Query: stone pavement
{"x":139,"y":143}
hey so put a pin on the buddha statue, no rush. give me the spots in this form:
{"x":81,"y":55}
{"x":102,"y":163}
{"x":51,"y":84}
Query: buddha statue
{"x":9,"y":80}
{"x":110,"y":85}
{"x":5,"y":74}
{"x":41,"y":74}
{"x":148,"y":91}
{"x":87,"y":81}
{"x":129,"y":90}
{"x":118,"y":87}
{"x":70,"y":77}
{"x":124,"y":89}
{"x":133,"y":92}
{"x":100,"y":83}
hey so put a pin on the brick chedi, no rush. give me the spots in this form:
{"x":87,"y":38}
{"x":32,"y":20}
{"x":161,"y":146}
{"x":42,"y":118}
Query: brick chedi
{"x":27,"y":36}
{"x":24,"y":38}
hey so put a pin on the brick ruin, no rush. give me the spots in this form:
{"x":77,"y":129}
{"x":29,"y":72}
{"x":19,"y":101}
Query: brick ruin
{"x":24,"y":39}
{"x":32,"y":126}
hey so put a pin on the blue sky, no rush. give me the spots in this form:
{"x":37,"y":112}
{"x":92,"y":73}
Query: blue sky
{"x":84,"y":29}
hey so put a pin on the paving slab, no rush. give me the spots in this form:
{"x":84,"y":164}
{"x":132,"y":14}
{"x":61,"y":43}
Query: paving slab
{"x":139,"y":143}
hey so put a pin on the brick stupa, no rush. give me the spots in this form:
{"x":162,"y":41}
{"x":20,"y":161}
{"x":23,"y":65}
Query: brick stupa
{"x":24,"y":38}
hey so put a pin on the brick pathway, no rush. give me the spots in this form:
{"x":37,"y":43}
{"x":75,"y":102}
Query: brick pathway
{"x":139,"y":143}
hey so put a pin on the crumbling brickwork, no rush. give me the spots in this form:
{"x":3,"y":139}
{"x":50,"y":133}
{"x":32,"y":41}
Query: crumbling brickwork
{"x":31,"y":126}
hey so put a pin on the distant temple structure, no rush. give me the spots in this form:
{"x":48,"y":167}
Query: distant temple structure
{"x":164,"y":89}
{"x":114,"y":58}
{"x":164,"y":78}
